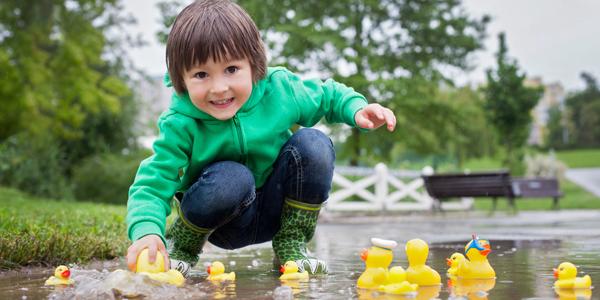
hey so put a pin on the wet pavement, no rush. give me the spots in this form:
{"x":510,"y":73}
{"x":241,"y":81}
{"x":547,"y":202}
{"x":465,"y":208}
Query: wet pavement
{"x":526,"y":247}
{"x":587,"y":178}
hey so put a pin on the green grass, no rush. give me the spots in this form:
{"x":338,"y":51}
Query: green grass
{"x":574,"y":197}
{"x":38,"y":231}
{"x":587,"y":158}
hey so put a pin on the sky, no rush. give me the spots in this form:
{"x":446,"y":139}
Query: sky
{"x":553,"y":39}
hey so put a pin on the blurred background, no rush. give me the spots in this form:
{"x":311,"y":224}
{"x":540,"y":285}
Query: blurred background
{"x":475,"y":85}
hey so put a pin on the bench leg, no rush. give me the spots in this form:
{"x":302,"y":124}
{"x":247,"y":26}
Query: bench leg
{"x":555,"y":203}
{"x":494,"y":203}
{"x":511,"y":201}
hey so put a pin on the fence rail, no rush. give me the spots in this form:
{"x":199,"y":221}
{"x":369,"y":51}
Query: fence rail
{"x":377,"y":189}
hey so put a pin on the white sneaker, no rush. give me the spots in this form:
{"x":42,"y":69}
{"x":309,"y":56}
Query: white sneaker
{"x":181,"y":266}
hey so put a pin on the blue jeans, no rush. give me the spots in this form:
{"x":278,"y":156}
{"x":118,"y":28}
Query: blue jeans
{"x":224,"y":197}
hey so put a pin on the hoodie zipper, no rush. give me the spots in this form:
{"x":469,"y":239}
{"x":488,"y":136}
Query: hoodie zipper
{"x":241,"y":141}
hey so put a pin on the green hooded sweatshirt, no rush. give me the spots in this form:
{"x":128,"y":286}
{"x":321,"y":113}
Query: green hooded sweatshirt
{"x":190,"y":139}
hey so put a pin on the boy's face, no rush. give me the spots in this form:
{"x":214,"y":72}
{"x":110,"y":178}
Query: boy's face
{"x":221,"y":88}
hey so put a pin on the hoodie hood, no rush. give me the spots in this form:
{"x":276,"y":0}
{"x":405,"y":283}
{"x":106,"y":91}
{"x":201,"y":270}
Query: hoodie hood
{"x":182,"y":103}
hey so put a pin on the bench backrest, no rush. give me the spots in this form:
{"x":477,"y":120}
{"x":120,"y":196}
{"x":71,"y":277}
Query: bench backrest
{"x":536,"y":187}
{"x":483,"y":184}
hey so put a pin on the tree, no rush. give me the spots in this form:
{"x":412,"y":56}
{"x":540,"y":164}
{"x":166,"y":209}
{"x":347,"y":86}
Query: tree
{"x":390,"y":51}
{"x":64,"y":85}
{"x":64,"y":67}
{"x":508,"y":105}
{"x":583,"y":108}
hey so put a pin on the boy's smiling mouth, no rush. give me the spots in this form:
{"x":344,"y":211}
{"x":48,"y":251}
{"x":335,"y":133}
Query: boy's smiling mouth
{"x":222,"y":102}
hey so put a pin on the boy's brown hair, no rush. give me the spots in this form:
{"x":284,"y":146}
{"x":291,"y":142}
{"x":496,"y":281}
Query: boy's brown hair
{"x":213,"y":29}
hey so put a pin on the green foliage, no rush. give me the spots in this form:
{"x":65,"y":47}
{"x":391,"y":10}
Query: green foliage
{"x":43,"y":231}
{"x":584,"y":112}
{"x":556,"y":138}
{"x":390,"y":51}
{"x":106,"y":177}
{"x":34,"y":164}
{"x":508,"y":106}
{"x":63,"y":82}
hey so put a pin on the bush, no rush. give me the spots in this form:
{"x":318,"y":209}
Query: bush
{"x":106,"y":177}
{"x":546,"y":166}
{"x":34,"y":164}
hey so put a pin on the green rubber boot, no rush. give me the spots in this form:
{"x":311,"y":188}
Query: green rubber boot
{"x":184,"y":244}
{"x":298,"y":222}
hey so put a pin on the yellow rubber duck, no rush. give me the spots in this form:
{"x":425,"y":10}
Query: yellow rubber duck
{"x":61,"y":276}
{"x":216,"y":272}
{"x":566,"y":275}
{"x":156,"y":270}
{"x":397,"y":283}
{"x":377,"y":260}
{"x":290,"y":272}
{"x":453,"y":262}
{"x":402,"y":288}
{"x":418,"y":272}
{"x":477,"y":265}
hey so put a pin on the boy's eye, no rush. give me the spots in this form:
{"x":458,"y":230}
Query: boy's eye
{"x":200,"y":75}
{"x":231,"y":69}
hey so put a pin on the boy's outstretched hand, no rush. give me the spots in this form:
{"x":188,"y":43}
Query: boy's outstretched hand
{"x":374,"y":115}
{"x":154,"y":243}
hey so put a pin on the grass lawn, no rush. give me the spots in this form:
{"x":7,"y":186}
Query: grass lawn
{"x":588,"y":158}
{"x":49,"y":232}
{"x":574,"y":197}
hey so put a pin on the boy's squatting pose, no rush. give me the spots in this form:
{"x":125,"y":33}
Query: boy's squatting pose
{"x":226,"y":151}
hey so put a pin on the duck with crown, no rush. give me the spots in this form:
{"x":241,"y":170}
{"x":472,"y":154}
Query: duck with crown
{"x":476,"y":266}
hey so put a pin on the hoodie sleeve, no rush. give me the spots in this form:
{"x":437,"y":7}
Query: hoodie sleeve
{"x":157,"y":180}
{"x":330,"y":99}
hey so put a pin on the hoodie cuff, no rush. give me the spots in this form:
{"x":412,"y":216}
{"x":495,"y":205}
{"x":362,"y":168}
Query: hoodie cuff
{"x":143,"y":229}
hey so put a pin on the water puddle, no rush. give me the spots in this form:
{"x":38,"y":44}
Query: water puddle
{"x":523,"y":258}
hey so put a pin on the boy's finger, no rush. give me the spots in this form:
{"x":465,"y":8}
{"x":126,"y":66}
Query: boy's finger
{"x":390,"y":119}
{"x":166,"y":258}
{"x":131,"y":260}
{"x":152,"y":253}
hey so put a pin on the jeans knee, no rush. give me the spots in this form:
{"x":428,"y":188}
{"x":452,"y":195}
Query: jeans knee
{"x":222,"y":189}
{"x":315,"y":148}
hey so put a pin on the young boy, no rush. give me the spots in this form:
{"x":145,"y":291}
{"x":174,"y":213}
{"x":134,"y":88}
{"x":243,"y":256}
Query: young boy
{"x":225,"y":149}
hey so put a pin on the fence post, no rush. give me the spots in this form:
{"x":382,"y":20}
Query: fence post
{"x":381,"y":185}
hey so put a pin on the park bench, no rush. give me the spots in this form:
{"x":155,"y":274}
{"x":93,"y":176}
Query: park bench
{"x":537,"y":188}
{"x":442,"y":187}
{"x":494,"y":184}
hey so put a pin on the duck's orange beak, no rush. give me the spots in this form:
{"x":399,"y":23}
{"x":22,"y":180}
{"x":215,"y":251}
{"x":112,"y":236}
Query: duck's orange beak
{"x":364,"y":254}
{"x":208,"y":270}
{"x":555,"y":273}
{"x":449,"y":262}
{"x":282,"y":269}
{"x":485,"y":251}
{"x":66,"y":273}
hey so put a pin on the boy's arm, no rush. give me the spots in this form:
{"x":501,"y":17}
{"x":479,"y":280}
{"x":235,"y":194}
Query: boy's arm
{"x":156,"y":182}
{"x":330,"y":99}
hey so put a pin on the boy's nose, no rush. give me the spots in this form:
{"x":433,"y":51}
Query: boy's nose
{"x":219,"y":86}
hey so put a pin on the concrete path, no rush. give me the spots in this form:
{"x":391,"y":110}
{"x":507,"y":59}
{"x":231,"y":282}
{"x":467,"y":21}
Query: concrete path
{"x":588,"y":178}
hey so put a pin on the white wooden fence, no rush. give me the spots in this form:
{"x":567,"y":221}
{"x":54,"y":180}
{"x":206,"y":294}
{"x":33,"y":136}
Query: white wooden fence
{"x":382,"y":189}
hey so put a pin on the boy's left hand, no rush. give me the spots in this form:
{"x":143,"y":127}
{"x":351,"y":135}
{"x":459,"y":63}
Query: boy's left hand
{"x":374,"y":115}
